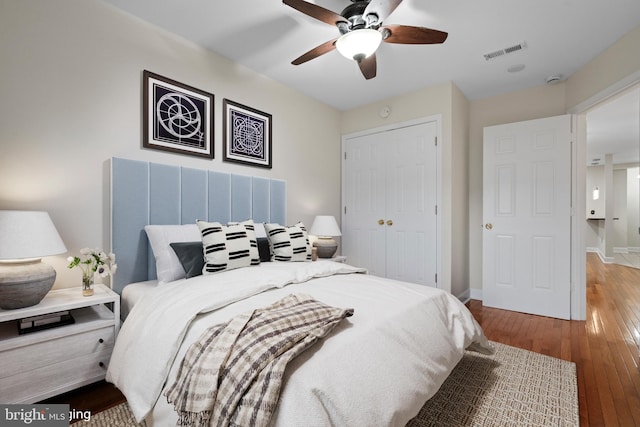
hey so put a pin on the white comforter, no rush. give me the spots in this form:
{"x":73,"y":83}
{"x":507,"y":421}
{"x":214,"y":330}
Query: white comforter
{"x":376,"y":368}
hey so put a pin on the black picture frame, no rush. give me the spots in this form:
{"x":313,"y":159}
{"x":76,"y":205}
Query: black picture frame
{"x":247,"y":135}
{"x":176,"y":117}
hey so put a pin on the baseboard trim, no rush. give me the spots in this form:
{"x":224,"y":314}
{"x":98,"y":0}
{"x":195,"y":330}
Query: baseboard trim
{"x":464,"y":297}
{"x":604,"y":259}
{"x":476,"y":294}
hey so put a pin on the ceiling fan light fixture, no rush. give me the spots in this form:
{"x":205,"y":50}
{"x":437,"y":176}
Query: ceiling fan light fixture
{"x":359,"y":44}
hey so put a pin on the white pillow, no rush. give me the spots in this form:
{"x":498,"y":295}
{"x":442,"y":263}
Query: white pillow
{"x":288,"y":243}
{"x":228,"y":246}
{"x":259,"y":229}
{"x":168,"y":266}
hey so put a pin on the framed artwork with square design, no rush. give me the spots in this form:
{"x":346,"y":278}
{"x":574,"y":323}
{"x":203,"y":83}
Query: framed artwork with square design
{"x":176,"y":117}
{"x":247,"y":135}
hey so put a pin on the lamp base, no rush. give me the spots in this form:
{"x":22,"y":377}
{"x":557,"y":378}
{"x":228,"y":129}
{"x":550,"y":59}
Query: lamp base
{"x":23,"y":284}
{"x":326,"y":247}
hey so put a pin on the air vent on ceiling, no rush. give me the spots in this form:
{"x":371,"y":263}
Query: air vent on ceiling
{"x":507,"y":50}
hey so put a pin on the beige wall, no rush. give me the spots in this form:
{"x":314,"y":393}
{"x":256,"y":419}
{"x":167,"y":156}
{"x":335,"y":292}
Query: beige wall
{"x":71,"y":99}
{"x":460,"y":196}
{"x":614,"y":64}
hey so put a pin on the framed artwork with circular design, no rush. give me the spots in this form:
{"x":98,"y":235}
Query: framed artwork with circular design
{"x":176,"y":117}
{"x":247,"y":135}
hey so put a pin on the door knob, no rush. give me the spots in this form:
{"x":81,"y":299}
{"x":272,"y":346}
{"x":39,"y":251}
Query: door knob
{"x":389,"y":222}
{"x":488,"y":226}
{"x":381,"y":221}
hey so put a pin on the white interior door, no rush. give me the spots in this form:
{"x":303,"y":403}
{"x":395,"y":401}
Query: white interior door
{"x":390,"y":190}
{"x":527,"y":214}
{"x":411,"y":204}
{"x":363,"y":238}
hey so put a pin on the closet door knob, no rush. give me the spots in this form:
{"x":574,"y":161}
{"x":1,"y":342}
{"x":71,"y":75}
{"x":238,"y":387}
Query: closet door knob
{"x":389,"y":222}
{"x":381,"y":221}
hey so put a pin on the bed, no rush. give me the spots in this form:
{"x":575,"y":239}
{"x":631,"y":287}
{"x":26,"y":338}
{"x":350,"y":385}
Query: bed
{"x":377,"y":366}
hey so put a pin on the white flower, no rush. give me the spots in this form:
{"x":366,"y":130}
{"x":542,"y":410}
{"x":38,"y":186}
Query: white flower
{"x":103,"y":270}
{"x":93,"y":261}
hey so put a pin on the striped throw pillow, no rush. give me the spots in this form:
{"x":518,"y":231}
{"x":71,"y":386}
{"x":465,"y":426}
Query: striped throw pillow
{"x":288,"y":243}
{"x":228,"y":246}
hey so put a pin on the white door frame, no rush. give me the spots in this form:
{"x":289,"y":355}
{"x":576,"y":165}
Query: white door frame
{"x":579,"y":202}
{"x":427,"y":119}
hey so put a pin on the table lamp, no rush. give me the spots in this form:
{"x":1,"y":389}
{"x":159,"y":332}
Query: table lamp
{"x":325,"y":227}
{"x":25,"y":237}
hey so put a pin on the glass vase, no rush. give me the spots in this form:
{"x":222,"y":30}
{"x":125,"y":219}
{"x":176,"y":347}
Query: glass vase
{"x":87,"y":284}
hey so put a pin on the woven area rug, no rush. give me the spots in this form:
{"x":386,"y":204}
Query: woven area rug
{"x":513,"y":387}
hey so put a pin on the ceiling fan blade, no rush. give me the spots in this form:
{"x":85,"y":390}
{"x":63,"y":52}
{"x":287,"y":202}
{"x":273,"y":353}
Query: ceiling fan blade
{"x":405,"y":34}
{"x":368,"y":66}
{"x":382,"y":8}
{"x":315,"y":52}
{"x":314,"y":11}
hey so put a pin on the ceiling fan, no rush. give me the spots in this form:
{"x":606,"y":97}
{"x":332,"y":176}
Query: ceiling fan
{"x":361,"y":31}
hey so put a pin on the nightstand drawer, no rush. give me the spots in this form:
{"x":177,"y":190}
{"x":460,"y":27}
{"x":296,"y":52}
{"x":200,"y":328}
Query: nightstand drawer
{"x":47,"y":381}
{"x":42,"y":354}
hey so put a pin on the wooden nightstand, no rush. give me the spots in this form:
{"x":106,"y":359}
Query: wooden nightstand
{"x":38,"y":365}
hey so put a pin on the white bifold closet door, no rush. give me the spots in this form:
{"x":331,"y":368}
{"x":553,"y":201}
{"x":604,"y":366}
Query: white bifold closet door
{"x":389,"y":221}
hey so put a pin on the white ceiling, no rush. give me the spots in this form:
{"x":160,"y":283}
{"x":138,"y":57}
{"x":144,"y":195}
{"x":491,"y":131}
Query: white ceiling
{"x":266,"y":35}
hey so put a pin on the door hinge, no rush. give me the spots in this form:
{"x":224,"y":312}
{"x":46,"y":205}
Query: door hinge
{"x":345,"y":210}
{"x":435,"y":141}
{"x":436,"y":209}
{"x":345,"y":155}
{"x":436,"y":277}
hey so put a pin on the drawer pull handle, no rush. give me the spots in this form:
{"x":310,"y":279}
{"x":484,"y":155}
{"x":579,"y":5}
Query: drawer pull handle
{"x":101,"y":364}
{"x":100,"y":340}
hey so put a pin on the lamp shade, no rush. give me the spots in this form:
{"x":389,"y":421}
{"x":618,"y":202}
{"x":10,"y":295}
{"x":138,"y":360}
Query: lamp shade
{"x":325,"y":226}
{"x":25,"y":237}
{"x":358,"y":44}
{"x":28,"y":234}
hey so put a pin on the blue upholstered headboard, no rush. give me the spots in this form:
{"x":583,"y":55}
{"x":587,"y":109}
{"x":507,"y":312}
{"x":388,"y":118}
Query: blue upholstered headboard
{"x":145,"y":193}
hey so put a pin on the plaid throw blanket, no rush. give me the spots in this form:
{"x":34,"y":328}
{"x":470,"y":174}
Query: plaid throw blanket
{"x":233,"y":374}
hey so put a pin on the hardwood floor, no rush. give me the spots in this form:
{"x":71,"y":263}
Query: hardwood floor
{"x":94,"y":397}
{"x":605,"y":347}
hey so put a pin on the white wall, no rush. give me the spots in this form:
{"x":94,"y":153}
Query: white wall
{"x":594,"y":229}
{"x":633,"y":209}
{"x":620,"y":241}
{"x":625,"y":218}
{"x":595,"y":178}
{"x":70,"y":85}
